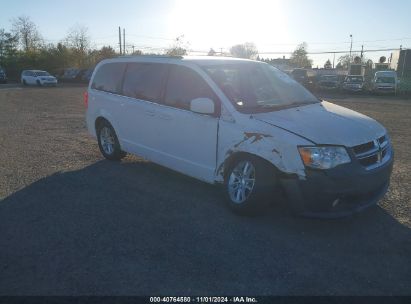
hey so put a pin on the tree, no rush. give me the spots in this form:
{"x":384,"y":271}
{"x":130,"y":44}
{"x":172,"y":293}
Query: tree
{"x":357,"y":59}
{"x":328,"y":64}
{"x":246,"y":50}
{"x":27,"y":33}
{"x":178,"y":48}
{"x":211,"y":52}
{"x":344,"y":61}
{"x":8,"y":45}
{"x":78,"y":40}
{"x":383,"y":59}
{"x":299,"y":57}
{"x":107,"y":52}
{"x":137,"y":53}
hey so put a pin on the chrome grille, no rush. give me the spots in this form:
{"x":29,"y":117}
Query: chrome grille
{"x":374,"y":153}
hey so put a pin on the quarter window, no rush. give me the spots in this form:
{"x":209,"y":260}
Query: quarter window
{"x":144,"y":81}
{"x":183,"y":86}
{"x":109,"y":77}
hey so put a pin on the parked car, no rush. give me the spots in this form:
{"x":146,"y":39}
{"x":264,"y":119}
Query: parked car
{"x":86,"y":76}
{"x":36,"y":77}
{"x":354,"y":83}
{"x":300,"y":75}
{"x":385,"y":82}
{"x":70,"y":75}
{"x":3,"y":76}
{"x":328,"y":82}
{"x":241,"y":123}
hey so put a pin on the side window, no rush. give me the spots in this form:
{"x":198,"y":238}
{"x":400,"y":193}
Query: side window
{"x":185,"y":85}
{"x":108,"y":78}
{"x":144,"y":81}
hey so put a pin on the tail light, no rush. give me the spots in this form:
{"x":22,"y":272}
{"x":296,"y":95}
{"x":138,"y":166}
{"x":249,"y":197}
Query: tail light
{"x":86,"y":99}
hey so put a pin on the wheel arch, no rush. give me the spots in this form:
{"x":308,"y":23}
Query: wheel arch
{"x":235,"y":156}
{"x":99,"y":121}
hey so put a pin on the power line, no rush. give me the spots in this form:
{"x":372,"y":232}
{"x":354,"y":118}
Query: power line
{"x":151,"y":37}
{"x":334,"y":52}
{"x":341,"y":42}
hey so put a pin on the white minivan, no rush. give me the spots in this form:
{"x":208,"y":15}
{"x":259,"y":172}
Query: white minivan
{"x":39,"y":78}
{"x":243,"y":124}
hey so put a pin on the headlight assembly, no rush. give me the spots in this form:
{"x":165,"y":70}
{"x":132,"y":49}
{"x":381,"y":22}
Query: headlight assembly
{"x":324,"y":157}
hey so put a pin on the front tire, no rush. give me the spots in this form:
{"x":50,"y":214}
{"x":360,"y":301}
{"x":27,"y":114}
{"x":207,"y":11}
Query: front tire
{"x":249,"y":185}
{"x":108,"y":142}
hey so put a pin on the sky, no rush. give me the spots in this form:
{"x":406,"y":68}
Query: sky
{"x":272,"y":25}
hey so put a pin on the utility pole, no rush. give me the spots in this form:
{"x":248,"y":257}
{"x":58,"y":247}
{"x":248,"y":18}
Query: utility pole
{"x":404,"y":61}
{"x":119,"y":38}
{"x":362,"y":51}
{"x":333,"y":60}
{"x":350,"y":47}
{"x":124,"y":41}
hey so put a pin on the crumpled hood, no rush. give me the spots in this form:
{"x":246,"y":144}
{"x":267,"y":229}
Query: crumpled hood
{"x":326,"y":123}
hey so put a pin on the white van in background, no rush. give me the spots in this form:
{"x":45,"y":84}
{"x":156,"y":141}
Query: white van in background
{"x":243,"y":124}
{"x":385,"y":82}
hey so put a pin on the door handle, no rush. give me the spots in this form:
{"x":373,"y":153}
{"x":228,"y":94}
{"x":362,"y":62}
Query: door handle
{"x":150,"y":112}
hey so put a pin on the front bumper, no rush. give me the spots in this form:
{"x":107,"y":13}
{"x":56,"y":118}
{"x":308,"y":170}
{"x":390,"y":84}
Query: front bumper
{"x":384,"y":89}
{"x":353,"y":89}
{"x":338,"y":192}
{"x":328,"y":86}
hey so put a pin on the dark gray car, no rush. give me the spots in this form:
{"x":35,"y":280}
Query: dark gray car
{"x":3,"y":76}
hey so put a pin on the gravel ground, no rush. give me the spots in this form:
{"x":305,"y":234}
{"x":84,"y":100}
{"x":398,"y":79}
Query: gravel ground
{"x":72,"y":223}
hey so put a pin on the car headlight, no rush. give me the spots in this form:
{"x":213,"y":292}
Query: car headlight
{"x":324,"y":157}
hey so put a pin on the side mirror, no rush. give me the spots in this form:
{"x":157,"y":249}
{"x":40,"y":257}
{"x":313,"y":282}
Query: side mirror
{"x":202,"y":106}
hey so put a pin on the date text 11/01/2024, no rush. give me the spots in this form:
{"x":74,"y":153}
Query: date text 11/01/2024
{"x":203,"y":300}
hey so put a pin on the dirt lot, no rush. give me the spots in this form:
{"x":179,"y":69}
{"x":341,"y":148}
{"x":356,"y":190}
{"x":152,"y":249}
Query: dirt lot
{"x":72,"y":223}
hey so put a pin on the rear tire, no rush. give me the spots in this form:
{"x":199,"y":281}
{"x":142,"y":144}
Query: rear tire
{"x":108,"y":142}
{"x":250,"y":184}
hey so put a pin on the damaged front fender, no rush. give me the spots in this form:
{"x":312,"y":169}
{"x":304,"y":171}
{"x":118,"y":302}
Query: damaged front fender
{"x":275,"y":145}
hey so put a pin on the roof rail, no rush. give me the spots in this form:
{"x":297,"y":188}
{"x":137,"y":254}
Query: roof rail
{"x":150,"y":56}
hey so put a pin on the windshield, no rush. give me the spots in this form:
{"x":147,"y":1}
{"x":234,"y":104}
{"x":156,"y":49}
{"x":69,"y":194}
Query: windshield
{"x":42,"y":73}
{"x":354,"y":79}
{"x":385,"y":80}
{"x":257,"y":87}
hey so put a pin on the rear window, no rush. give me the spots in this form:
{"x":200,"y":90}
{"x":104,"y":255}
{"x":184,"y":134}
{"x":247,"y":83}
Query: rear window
{"x":144,"y":81}
{"x":108,"y":78}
